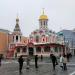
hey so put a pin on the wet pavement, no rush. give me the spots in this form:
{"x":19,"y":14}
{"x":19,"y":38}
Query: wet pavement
{"x":11,"y":68}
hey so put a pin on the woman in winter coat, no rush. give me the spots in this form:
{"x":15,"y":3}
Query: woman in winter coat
{"x":64,"y":62}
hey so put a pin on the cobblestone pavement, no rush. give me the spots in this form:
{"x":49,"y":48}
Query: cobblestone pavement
{"x":44,"y":69}
{"x":11,"y":68}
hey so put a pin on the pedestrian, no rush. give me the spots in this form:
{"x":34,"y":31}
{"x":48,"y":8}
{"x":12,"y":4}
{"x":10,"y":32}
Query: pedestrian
{"x":54,"y":60}
{"x":28,"y":62}
{"x":68,"y":57}
{"x":70,"y":54}
{"x":61,"y":61}
{"x":36,"y":60}
{"x":64,"y":63}
{"x":20,"y":60}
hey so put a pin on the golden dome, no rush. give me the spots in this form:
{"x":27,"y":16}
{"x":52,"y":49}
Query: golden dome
{"x":43,"y":17}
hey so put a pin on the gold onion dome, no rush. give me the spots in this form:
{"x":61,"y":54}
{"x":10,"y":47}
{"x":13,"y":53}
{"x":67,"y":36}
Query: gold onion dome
{"x":43,"y":16}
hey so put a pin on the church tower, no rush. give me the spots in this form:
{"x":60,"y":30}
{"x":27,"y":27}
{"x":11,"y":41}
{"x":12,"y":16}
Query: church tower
{"x":43,"y":21}
{"x":17,"y":32}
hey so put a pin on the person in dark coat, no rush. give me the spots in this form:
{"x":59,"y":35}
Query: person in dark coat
{"x":41,"y":57}
{"x":68,"y":57}
{"x":20,"y":60}
{"x":54,"y":60}
{"x":36,"y":60}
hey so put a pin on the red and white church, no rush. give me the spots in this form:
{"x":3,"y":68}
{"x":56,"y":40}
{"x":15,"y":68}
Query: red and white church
{"x":41,"y":41}
{"x":45,"y":41}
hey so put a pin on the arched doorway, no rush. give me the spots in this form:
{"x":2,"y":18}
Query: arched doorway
{"x":31,"y":48}
{"x":31,"y":51}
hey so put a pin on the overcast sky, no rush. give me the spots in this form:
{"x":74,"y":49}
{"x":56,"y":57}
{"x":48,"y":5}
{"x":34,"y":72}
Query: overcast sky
{"x":61,"y":14}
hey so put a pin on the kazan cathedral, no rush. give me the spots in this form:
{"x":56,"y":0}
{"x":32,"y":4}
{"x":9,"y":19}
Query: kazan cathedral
{"x":41,"y":41}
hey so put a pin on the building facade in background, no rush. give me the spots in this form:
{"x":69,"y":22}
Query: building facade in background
{"x":69,"y":37}
{"x":4,"y":41}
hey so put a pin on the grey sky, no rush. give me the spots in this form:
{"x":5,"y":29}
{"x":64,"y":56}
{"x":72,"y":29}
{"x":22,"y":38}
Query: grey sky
{"x":61,"y":14}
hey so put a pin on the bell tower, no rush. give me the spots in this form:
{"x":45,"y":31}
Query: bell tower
{"x":17,"y":32}
{"x":43,"y":21}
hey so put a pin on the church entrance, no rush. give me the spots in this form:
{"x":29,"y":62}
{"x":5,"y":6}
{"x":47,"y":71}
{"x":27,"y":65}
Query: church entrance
{"x":31,"y":51}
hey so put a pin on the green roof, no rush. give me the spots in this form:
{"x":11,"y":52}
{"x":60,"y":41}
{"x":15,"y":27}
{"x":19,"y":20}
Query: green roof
{"x":60,"y":33}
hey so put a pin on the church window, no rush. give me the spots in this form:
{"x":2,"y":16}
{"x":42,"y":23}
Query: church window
{"x":43,"y":40}
{"x":16,"y":38}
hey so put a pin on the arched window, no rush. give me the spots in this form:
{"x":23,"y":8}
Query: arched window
{"x":16,"y":38}
{"x":43,"y":38}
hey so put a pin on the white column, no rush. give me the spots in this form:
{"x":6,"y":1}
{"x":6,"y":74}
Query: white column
{"x":14,"y":38}
{"x":18,"y":38}
{"x":27,"y":52}
{"x":42,"y":50}
{"x":34,"y":51}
